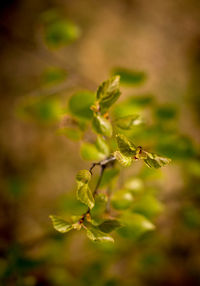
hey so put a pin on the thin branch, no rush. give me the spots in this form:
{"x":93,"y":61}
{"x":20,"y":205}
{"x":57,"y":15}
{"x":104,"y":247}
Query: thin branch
{"x":104,"y":164}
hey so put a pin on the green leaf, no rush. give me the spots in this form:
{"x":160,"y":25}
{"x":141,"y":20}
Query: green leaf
{"x":95,"y":234}
{"x":84,"y":194}
{"x":130,"y":77}
{"x":71,"y":133}
{"x":135,"y":185}
{"x":134,"y":225}
{"x":83,"y":176}
{"x":102,"y":126}
{"x":53,"y":75}
{"x":109,"y":225}
{"x":61,"y":32}
{"x":123,"y":160}
{"x":79,"y":104}
{"x":125,"y":145}
{"x":128,"y":122}
{"x":107,"y":93}
{"x":60,"y":224}
{"x":102,"y":146}
{"x":90,"y":152}
{"x":155,"y":161}
{"x":122,"y":199}
{"x":148,"y":206}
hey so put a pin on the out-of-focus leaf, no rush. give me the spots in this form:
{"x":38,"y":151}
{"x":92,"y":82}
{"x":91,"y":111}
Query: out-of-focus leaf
{"x":108,"y":176}
{"x":133,"y":104}
{"x":60,"y":224}
{"x":134,"y":225}
{"x":83,"y":192}
{"x":155,"y":161}
{"x":71,"y":133}
{"x":125,"y":145}
{"x":79,"y":104}
{"x":166,"y":112}
{"x":42,"y":109}
{"x":148,"y":206}
{"x":53,"y":75}
{"x":61,"y":32}
{"x":122,"y":159}
{"x":135,"y":185}
{"x":107,"y":93}
{"x":83,"y":176}
{"x":102,"y":125}
{"x":95,"y":234}
{"x":89,"y":152}
{"x":102,"y":146}
{"x":128,"y":122}
{"x":122,"y":199}
{"x":191,"y":217}
{"x":176,"y":147}
{"x":130,"y":77}
{"x":109,"y":225}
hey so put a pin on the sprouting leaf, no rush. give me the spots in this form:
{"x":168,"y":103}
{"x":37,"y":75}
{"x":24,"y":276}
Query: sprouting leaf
{"x":79,"y":104}
{"x":83,"y":192}
{"x":107,"y":93}
{"x":134,"y":225}
{"x":109,"y":225}
{"x":90,"y":152}
{"x":60,"y":224}
{"x":95,"y":234}
{"x":128,"y":122}
{"x":83,"y":176}
{"x":155,"y":161}
{"x":130,"y":77}
{"x":125,"y":145}
{"x":123,"y":160}
{"x":102,"y":125}
{"x":122,"y":199}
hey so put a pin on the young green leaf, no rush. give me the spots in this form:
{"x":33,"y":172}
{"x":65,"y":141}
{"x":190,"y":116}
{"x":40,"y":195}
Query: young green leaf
{"x":109,"y":225}
{"x":125,"y":145}
{"x":84,"y":194}
{"x":101,"y":125}
{"x":102,"y":146}
{"x":95,"y":234}
{"x":155,"y":161}
{"x":130,"y":77}
{"x":60,"y":224}
{"x":128,"y":122}
{"x":83,"y":176}
{"x":123,"y":160}
{"x":107,"y":93}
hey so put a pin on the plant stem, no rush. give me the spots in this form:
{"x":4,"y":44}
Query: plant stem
{"x":104,"y":164}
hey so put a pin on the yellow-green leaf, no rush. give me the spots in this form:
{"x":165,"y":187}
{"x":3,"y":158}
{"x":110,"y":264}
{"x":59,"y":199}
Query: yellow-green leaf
{"x":60,"y":224}
{"x":123,"y":160}
{"x":95,"y":234}
{"x":125,"y":145}
{"x":155,"y":161}
{"x":84,"y":194}
{"x":107,"y":93}
{"x":102,"y":125}
{"x":83,"y":176}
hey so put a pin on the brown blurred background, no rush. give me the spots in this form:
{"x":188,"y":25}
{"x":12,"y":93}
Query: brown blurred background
{"x":36,"y":166}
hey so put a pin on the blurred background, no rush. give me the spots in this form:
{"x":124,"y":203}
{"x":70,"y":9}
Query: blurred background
{"x":50,"y":49}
